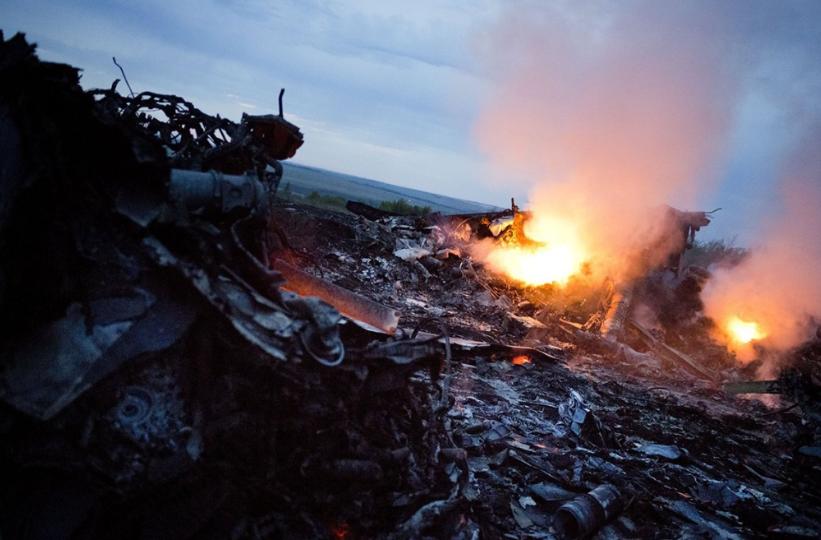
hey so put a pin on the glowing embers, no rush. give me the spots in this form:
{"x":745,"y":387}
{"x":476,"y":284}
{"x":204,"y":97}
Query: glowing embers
{"x":520,"y":360}
{"x":341,"y":531}
{"x":743,"y":332}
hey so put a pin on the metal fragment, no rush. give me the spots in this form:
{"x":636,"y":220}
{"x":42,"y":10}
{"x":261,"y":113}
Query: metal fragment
{"x":348,"y":303}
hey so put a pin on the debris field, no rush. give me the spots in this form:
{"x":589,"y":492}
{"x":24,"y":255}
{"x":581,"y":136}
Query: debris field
{"x":186,"y":355}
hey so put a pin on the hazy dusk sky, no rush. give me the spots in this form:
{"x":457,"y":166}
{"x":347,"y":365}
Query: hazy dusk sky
{"x":393,"y":90}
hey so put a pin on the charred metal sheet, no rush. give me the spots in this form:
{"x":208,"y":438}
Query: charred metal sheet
{"x":30,"y":382}
{"x":405,"y":351}
{"x":576,"y":414}
{"x":347,"y":302}
{"x":255,"y":317}
{"x":51,"y":368}
{"x":483,"y":348}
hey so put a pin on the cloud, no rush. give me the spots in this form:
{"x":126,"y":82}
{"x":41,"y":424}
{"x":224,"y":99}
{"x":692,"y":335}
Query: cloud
{"x":381,"y":76}
{"x":404,"y":75}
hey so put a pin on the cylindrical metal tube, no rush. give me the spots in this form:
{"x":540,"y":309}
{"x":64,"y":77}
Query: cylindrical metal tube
{"x":214,"y":192}
{"x":586,"y":513}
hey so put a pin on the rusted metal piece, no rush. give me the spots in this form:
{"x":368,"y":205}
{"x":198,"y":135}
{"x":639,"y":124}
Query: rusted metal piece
{"x":348,"y":303}
{"x":280,"y":138}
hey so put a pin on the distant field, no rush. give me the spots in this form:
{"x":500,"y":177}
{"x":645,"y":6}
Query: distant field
{"x":303,"y":180}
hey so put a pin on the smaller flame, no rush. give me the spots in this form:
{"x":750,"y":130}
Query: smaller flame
{"x":742,"y":331}
{"x":520,"y":360}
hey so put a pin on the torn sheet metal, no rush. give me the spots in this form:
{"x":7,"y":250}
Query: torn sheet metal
{"x":255,"y":317}
{"x":411,"y":254}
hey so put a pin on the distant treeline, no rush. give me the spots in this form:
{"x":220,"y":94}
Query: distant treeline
{"x":398,"y":206}
{"x":401,"y":206}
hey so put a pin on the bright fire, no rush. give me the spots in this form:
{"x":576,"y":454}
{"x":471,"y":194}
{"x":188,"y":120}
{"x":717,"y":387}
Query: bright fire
{"x":555,"y":259}
{"x":744,"y":331}
{"x":537,"y":266}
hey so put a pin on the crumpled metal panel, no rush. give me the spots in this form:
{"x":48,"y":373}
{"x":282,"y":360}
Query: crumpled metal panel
{"x":49,"y":369}
{"x":259,"y":320}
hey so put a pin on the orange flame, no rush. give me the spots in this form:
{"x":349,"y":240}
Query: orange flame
{"x":557,"y":256}
{"x":743,"y":332}
{"x":537,"y":266}
{"x":520,"y":360}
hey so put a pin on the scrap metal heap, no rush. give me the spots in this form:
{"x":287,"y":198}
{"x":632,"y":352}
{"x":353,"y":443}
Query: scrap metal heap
{"x":185,"y":356}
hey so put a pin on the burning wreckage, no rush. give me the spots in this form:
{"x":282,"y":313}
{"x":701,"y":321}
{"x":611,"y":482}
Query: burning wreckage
{"x":187,"y":356}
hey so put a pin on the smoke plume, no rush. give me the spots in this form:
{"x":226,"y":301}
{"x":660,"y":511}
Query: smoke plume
{"x":613,"y":113}
{"x":615,"y":108}
{"x":777,"y":284}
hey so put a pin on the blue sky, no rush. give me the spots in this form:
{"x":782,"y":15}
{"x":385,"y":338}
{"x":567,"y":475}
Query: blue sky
{"x":393,"y":90}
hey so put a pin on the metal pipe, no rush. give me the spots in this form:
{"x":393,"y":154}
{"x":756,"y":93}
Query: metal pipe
{"x":212,"y":191}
